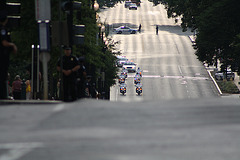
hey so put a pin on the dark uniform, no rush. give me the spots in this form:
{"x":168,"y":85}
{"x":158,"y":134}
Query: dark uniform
{"x":81,"y":78}
{"x":4,"y":61}
{"x":69,"y":82}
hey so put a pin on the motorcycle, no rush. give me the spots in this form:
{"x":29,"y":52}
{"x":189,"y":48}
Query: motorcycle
{"x":139,"y":89}
{"x":139,"y":71}
{"x":121,"y":79}
{"x":125,"y":73}
{"x":137,"y":79}
{"x":123,"y":88}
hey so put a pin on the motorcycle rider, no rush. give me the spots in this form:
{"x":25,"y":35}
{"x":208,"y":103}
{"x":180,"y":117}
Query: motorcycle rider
{"x":138,"y":88}
{"x":121,"y":79}
{"x":123,"y":88}
{"x":137,"y":79}
{"x":139,"y":71}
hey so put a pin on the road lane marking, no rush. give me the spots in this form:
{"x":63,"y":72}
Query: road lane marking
{"x":171,"y":77}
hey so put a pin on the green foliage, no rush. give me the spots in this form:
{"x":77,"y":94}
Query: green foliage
{"x":228,"y":87}
{"x":27,"y":34}
{"x":24,"y":37}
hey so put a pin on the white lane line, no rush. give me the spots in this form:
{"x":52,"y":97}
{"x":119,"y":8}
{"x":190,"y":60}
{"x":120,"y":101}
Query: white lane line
{"x":17,"y":150}
{"x":172,"y":77}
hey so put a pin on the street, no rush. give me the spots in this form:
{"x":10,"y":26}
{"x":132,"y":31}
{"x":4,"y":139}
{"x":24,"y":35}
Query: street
{"x":93,"y":129}
{"x":179,"y":116}
{"x":170,"y":67}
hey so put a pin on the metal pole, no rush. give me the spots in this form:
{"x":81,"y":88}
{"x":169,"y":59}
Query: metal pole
{"x":32,"y":70}
{"x":45,"y":75}
{"x":70,"y":25}
{"x":38,"y":48}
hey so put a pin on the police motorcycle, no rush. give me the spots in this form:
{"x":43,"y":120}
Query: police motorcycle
{"x":137,"y":79}
{"x":124,"y":72}
{"x":139,"y":88}
{"x":123,"y":88}
{"x":121,"y":79}
{"x":139,"y":71}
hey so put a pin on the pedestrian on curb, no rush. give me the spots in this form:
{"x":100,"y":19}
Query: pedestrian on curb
{"x":6,"y":47}
{"x":17,"y":87}
{"x":70,"y":66}
{"x":156,"y":29}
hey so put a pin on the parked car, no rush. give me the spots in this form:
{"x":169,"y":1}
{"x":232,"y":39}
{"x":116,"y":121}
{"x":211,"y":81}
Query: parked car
{"x":125,"y":29}
{"x":132,"y":6}
{"x":221,"y":75}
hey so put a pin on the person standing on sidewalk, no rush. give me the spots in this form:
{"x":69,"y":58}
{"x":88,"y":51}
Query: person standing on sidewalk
{"x":139,"y":28}
{"x":6,"y":47}
{"x":17,"y":87}
{"x":28,"y":90}
{"x":156,"y":29}
{"x":70,"y":66}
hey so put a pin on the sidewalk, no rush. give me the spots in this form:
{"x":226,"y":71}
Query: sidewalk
{"x":4,"y":102}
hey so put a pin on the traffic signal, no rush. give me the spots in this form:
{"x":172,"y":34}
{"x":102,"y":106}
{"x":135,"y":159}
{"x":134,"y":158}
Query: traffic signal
{"x":13,"y":14}
{"x":78,"y":31}
{"x":75,"y":31}
{"x":71,"y":5}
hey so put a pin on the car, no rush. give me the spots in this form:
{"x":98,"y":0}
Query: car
{"x":219,"y":75}
{"x":125,"y":29}
{"x":130,"y":66}
{"x":132,"y":6}
{"x":121,"y":60}
{"x":127,"y":3}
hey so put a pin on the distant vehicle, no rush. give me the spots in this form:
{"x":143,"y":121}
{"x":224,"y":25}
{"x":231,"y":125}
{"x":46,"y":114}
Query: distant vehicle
{"x":124,"y":72}
{"x":125,"y":29}
{"x":137,"y":2}
{"x":121,"y":79}
{"x":127,"y":3}
{"x":138,"y":88}
{"x":220,"y":75}
{"x":132,"y":6}
{"x":137,"y":79}
{"x":121,"y":60}
{"x":123,"y":88}
{"x":130,"y":66}
{"x":139,"y":71}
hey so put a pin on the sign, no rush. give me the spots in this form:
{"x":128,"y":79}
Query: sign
{"x":44,"y":36}
{"x":43,"y":10}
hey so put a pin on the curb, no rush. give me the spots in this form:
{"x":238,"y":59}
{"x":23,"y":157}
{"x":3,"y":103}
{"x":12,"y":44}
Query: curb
{"x":215,"y":83}
{"x":4,"y":102}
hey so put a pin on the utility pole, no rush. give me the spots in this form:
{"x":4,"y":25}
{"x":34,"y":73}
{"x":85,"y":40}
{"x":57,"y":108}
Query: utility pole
{"x":43,"y":17}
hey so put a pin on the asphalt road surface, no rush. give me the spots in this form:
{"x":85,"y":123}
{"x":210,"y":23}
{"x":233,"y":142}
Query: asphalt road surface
{"x":170,"y":67}
{"x":102,"y":130}
{"x":179,"y":116}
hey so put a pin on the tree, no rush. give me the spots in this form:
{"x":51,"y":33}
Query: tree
{"x":27,"y":34}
